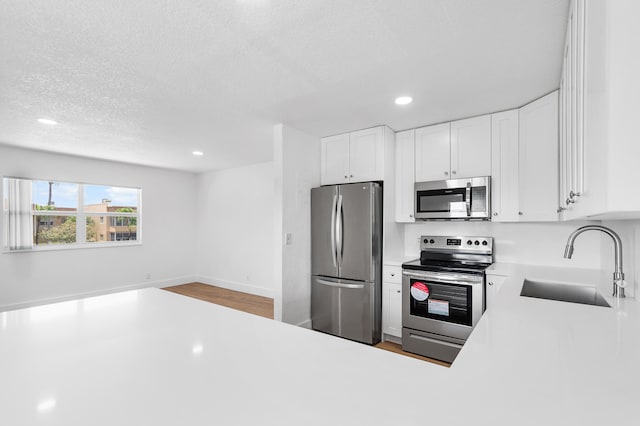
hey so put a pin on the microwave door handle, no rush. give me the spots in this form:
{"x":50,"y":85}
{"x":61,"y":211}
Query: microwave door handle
{"x":334,"y":250}
{"x":468,"y":198}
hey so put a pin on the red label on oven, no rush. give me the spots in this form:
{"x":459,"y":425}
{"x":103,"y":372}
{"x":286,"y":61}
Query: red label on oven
{"x":419,"y":291}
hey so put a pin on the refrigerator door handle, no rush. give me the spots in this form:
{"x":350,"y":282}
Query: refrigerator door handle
{"x":334,"y":250}
{"x":340,"y":230}
{"x":334,"y":284}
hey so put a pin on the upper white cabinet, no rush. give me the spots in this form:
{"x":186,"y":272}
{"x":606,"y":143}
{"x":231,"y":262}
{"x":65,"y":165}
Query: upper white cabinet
{"x":600,"y":103}
{"x":353,"y":157}
{"x":405,"y":176}
{"x":459,"y":149}
{"x":471,"y":147}
{"x":538,"y":160}
{"x":335,"y":159}
{"x":572,"y":109}
{"x":432,"y":152}
{"x":504,"y":166}
{"x":524,"y":166}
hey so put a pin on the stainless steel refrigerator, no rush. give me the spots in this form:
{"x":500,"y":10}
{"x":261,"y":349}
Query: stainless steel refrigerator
{"x":346,"y":251}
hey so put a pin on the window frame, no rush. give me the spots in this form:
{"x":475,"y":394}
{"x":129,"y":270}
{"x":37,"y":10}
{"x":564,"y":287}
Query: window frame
{"x":81,"y":216}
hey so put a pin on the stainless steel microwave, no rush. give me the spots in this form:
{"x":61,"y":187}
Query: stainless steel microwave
{"x":461,"y":199}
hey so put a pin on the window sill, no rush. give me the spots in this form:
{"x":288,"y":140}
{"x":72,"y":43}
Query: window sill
{"x":73,"y":247}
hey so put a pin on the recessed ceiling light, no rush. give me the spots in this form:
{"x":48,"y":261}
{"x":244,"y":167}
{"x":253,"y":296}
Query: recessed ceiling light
{"x":198,"y":153}
{"x":47,"y":121}
{"x":404,"y":100}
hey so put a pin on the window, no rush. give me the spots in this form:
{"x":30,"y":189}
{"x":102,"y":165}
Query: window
{"x":46,"y":213}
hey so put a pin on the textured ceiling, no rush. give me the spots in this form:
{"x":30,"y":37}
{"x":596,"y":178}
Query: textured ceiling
{"x":149,"y":81}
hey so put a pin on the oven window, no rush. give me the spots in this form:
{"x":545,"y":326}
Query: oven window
{"x":444,"y":302}
{"x":439,"y":200}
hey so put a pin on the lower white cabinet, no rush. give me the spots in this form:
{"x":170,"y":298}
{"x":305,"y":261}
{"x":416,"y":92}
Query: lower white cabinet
{"x":392,"y":300}
{"x":494,"y":283}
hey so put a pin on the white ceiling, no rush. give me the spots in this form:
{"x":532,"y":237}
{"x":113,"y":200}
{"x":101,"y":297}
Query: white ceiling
{"x":149,"y":81}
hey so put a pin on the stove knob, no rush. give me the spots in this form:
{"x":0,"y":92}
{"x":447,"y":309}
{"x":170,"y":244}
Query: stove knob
{"x":477,"y":243}
{"x":469,"y":242}
{"x":484,"y":243}
{"x":432,"y":241}
{"x":426,"y":241}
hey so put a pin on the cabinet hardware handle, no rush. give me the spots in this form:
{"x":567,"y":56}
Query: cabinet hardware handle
{"x":561,"y":209}
{"x":410,"y":215}
{"x":453,"y":172}
{"x":446,"y":173}
{"x":397,"y":291}
{"x":350,"y":175}
{"x":570,"y":201}
{"x":345,"y":176}
{"x":520,"y":213}
{"x":495,"y":213}
{"x":393,"y":275}
{"x":490,"y":283}
{"x":572,"y":194}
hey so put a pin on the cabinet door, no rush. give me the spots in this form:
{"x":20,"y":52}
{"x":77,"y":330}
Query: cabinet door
{"x":494,"y":283}
{"x":405,"y":176}
{"x":366,"y":155}
{"x":471,"y":147}
{"x":334,"y":159}
{"x":433,"y":152}
{"x":538,"y":164}
{"x":504,"y":166}
{"x":392,"y":309}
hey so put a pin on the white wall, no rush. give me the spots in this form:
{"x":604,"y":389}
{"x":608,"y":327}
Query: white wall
{"x":167,"y":251}
{"x":234,"y":217}
{"x":297,"y":160}
{"x":528,"y":243}
{"x":629,"y":232}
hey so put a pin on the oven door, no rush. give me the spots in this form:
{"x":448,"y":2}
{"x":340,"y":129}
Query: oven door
{"x":453,"y":199}
{"x":443,"y":303}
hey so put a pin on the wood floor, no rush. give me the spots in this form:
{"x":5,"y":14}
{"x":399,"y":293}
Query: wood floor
{"x":250,"y":303}
{"x":262,"y":306}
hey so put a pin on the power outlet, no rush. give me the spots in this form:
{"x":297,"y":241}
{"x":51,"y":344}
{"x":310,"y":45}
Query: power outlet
{"x":288,"y":238}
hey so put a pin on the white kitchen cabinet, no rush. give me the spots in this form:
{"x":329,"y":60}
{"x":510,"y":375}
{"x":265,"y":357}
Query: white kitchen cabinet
{"x":471,"y":147}
{"x":504,"y":166}
{"x":405,"y":176}
{"x":392,"y":300}
{"x":538,"y":160}
{"x":433,"y":152}
{"x":459,"y":149}
{"x":494,"y":284}
{"x":605,"y":156}
{"x":572,"y":109}
{"x":353,"y":157}
{"x":334,"y":159}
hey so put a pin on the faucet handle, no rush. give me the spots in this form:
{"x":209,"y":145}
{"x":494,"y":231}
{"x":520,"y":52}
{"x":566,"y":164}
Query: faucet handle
{"x":621,"y":283}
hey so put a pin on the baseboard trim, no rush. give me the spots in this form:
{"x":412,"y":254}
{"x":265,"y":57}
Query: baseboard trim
{"x":83,"y":295}
{"x":232,"y":285}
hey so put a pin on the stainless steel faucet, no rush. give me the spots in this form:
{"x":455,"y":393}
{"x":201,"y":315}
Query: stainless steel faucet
{"x":618,"y":275}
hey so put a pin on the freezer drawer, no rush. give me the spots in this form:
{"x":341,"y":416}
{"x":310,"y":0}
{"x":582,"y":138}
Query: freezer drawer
{"x":346,"y":308}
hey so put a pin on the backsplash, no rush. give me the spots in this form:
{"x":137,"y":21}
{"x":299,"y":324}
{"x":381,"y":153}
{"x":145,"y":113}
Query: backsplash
{"x":529,"y":243}
{"x":544,"y":243}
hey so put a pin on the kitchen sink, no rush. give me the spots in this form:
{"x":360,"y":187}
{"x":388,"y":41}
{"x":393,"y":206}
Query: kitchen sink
{"x":586,"y":295}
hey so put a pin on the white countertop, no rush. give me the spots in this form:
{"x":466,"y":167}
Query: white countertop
{"x":151,"y":357}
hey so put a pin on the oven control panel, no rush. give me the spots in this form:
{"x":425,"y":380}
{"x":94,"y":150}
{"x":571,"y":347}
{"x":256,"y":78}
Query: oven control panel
{"x":457,"y":243}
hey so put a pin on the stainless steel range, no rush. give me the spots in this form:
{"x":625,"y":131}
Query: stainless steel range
{"x":443,"y":294}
